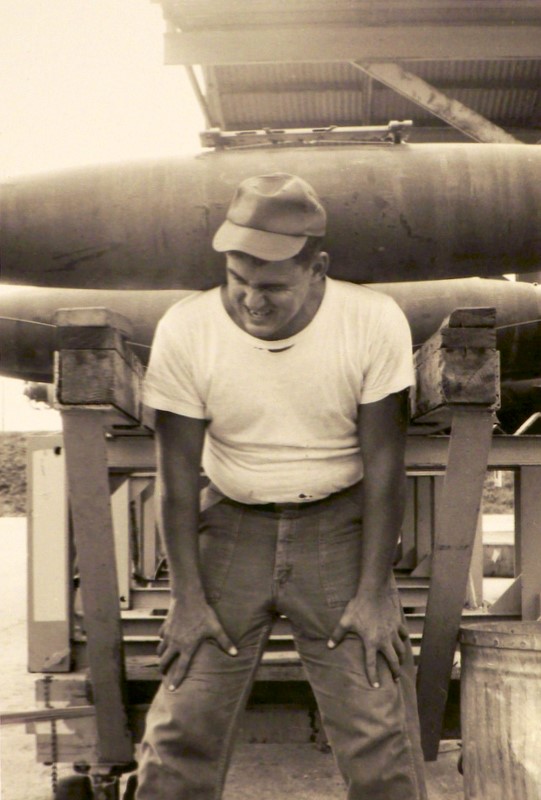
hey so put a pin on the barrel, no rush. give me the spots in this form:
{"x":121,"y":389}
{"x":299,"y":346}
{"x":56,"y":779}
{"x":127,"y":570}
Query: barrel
{"x":501,"y":710}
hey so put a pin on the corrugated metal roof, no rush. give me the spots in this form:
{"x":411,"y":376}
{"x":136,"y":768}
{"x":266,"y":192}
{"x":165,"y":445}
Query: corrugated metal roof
{"x":284,"y":95}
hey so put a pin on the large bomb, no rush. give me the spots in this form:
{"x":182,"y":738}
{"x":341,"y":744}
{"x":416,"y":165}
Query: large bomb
{"x":28,"y":336}
{"x":396,"y":213}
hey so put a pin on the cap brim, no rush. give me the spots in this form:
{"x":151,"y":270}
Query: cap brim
{"x":261,"y":244}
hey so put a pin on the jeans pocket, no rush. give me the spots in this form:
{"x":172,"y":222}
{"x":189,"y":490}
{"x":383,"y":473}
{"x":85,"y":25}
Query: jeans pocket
{"x":339,"y":543}
{"x":218,"y":534}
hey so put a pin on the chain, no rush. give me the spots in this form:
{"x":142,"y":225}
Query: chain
{"x":54,"y":735}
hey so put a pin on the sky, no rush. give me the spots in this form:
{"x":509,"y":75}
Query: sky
{"x":83,"y":82}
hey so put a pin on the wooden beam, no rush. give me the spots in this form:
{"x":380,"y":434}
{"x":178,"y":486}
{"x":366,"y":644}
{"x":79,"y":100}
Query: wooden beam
{"x":367,"y":90}
{"x":427,"y":96}
{"x":474,"y":592}
{"x":352,"y":43}
{"x":455,"y":534}
{"x":424,"y":490}
{"x":86,"y":463}
{"x":94,"y":364}
{"x":510,"y":602}
{"x":201,"y":99}
{"x":458,"y":365}
{"x":213,"y":97}
{"x":529,"y":536}
{"x":135,"y":452}
{"x":47,"y":714}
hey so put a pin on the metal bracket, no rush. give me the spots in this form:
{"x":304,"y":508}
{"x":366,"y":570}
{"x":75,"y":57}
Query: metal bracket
{"x":393,"y":133}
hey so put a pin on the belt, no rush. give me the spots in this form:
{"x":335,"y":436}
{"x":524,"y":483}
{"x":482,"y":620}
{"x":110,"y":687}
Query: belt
{"x":278,"y":508}
{"x":275,"y":508}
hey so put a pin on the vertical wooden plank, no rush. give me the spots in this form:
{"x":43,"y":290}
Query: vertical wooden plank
{"x":150,"y":535}
{"x":469,"y":447}
{"x":408,"y":525}
{"x":86,"y":462}
{"x":49,"y":577}
{"x":138,"y":484}
{"x":474,"y":592}
{"x":518,"y":523}
{"x":530,"y":533}
{"x":120,"y":507}
{"x":439,"y":483}
{"x":425,"y":515}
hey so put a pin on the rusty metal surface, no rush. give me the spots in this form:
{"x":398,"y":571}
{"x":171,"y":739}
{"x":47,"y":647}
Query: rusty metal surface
{"x":407,"y":212}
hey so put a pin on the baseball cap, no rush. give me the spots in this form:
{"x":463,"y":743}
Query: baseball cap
{"x":271,"y":217}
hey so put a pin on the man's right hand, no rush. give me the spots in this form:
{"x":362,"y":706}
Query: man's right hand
{"x":188,"y":623}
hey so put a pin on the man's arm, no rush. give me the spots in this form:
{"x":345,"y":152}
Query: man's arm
{"x":372,"y":614}
{"x":190,"y":619}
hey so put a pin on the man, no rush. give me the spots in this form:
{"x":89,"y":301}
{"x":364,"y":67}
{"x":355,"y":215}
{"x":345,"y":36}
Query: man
{"x":291,"y":389}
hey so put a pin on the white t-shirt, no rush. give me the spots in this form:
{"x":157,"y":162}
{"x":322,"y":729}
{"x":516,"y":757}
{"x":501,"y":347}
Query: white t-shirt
{"x":282,"y":415}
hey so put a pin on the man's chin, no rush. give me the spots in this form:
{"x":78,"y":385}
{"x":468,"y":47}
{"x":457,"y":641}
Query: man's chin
{"x":265,"y":325}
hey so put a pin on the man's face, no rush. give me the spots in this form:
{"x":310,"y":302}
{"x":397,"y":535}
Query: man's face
{"x":274,"y":300}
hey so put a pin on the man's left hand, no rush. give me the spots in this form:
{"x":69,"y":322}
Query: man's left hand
{"x":376,"y":621}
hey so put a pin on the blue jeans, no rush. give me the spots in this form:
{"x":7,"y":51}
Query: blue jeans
{"x":256,"y":565}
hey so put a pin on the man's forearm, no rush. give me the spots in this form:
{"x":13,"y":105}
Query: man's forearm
{"x":383,"y":512}
{"x":179,"y":523}
{"x":179,"y":445}
{"x":382,"y":437}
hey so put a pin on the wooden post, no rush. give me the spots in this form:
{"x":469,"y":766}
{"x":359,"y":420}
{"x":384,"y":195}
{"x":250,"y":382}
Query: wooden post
{"x":424,"y":529}
{"x":457,"y":383}
{"x":474,"y":592}
{"x":97,"y":383}
{"x":529,"y":537}
{"x":88,"y":484}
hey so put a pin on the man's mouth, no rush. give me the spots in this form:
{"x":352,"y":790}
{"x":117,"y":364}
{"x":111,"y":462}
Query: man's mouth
{"x":259,"y":315}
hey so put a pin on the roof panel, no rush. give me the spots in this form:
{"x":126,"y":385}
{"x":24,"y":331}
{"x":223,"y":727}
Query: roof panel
{"x":226,"y":14}
{"x":283,"y":95}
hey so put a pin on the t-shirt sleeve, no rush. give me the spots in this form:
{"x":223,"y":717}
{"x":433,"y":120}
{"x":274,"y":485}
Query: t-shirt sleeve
{"x":169,"y":381}
{"x":390,"y":364}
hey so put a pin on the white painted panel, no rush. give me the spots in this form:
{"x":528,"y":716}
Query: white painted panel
{"x":48,"y":536}
{"x":120,"y":509}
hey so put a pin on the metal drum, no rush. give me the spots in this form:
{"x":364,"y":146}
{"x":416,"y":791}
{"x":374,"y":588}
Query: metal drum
{"x":501,"y":710}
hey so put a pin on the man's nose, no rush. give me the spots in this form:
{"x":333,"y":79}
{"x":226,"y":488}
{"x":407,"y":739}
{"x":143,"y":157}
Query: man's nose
{"x":254,"y":298}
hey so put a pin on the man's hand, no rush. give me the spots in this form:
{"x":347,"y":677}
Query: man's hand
{"x":188,"y":623}
{"x":376,"y":621}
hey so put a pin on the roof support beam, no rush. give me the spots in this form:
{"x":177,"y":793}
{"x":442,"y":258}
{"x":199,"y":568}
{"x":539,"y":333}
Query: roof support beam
{"x":350,"y":43}
{"x":366,"y":92}
{"x":214,"y":97}
{"x":424,"y":94}
{"x":203,"y":105}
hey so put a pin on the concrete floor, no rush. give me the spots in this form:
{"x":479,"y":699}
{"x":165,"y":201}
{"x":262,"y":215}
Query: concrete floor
{"x":262,"y":771}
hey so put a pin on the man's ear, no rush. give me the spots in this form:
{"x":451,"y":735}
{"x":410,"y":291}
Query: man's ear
{"x":320,"y":265}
